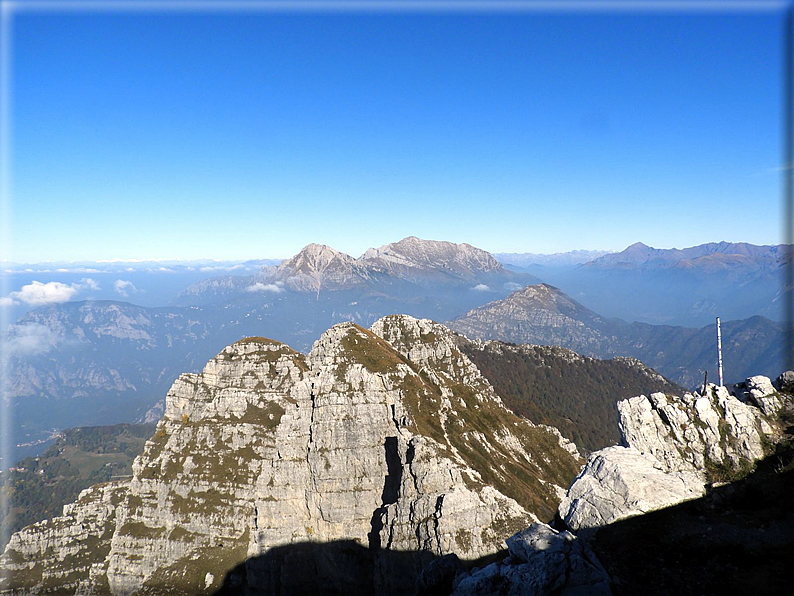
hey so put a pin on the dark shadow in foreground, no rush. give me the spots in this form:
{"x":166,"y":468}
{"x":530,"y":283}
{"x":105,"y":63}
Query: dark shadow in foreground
{"x":737,"y":539}
{"x":345,"y":567}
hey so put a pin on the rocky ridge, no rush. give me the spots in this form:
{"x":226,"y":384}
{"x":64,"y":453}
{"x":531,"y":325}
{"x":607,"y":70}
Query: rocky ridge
{"x":414,"y":258}
{"x":539,"y":314}
{"x":672,"y":448}
{"x":543,"y":314}
{"x":412,"y":261}
{"x":388,"y":439}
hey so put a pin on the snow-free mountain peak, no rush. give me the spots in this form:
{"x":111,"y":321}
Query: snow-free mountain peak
{"x":411,"y":265}
{"x":430,"y":256}
{"x":315,"y":258}
{"x":317,"y":267}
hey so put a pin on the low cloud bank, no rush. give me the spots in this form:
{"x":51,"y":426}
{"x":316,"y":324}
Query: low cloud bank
{"x":260,"y":287}
{"x":30,"y":339}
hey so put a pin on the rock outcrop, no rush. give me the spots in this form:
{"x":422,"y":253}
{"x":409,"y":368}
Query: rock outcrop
{"x":760,"y":392}
{"x":541,"y":561}
{"x":381,"y":441}
{"x":671,"y":448}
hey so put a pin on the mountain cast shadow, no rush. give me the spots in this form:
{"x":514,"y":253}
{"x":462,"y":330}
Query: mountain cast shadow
{"x":737,"y":539}
{"x":345,"y":568}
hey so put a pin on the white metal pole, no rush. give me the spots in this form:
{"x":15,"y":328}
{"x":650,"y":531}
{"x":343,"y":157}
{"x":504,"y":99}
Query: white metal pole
{"x":719,"y":351}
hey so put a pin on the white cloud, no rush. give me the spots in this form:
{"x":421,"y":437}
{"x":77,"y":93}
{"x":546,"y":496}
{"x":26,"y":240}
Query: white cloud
{"x":512,"y":286}
{"x":208,"y":269}
{"x":481,"y":288}
{"x":37,"y":293}
{"x":86,"y":284}
{"x":123,"y":287}
{"x":260,"y":287}
{"x":76,"y":270}
{"x":29,"y":340}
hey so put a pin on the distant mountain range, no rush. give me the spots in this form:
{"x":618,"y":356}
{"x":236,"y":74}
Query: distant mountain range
{"x":557,"y":259}
{"x":714,"y":255}
{"x":116,"y":359}
{"x":409,"y":267}
{"x":543,"y":314}
{"x":101,"y":362}
{"x":689,"y":286}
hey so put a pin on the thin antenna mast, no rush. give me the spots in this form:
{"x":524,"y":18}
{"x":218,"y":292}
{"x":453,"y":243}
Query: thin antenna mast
{"x":719,"y":351}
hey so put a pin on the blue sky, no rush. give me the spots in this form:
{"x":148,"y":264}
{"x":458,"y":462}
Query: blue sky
{"x":249,"y":135}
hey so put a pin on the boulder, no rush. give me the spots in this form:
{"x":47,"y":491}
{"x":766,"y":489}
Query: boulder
{"x":760,"y":392}
{"x":542,"y":561}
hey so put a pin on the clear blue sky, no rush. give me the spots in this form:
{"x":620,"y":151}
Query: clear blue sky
{"x":250,"y":135}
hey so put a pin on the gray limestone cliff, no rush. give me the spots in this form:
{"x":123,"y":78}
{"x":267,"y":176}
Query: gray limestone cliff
{"x":672,"y":448}
{"x":377,"y":443}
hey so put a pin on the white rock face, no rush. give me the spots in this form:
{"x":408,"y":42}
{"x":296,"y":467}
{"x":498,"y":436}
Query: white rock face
{"x":671,"y":447}
{"x":374,"y":444}
{"x":760,"y":392}
{"x":619,"y":482}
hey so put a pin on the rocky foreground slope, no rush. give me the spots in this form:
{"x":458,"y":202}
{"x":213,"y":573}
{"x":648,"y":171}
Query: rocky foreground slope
{"x":378,"y":442}
{"x":674,"y":450}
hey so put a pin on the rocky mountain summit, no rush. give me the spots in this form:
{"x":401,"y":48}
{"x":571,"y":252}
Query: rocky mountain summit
{"x":416,"y":259}
{"x":412,"y":261}
{"x":318,"y":267}
{"x":543,"y":314}
{"x":378,"y":442}
{"x":539,"y":314}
